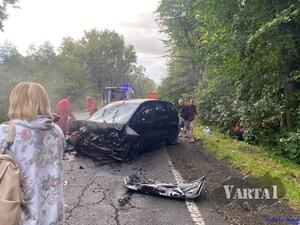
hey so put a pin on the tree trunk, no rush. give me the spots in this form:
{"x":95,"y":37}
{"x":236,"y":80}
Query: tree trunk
{"x":289,"y":104}
{"x":289,"y":94}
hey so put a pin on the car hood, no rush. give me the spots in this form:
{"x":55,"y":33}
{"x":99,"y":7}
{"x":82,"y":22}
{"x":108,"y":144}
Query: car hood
{"x":94,"y":125}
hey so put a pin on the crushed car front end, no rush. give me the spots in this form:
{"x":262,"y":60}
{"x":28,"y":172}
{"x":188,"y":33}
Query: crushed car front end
{"x":105,"y":140}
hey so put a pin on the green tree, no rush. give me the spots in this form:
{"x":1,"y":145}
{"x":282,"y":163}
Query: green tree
{"x":140,"y":83}
{"x":247,"y":57}
{"x":107,"y":58}
{"x":3,"y":7}
{"x":79,"y":68}
{"x":13,"y":69}
{"x":180,"y":81}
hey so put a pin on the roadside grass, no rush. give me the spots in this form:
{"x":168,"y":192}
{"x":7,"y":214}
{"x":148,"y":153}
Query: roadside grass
{"x":257,"y":161}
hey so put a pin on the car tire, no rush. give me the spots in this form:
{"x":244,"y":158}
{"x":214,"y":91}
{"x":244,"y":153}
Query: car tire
{"x":130,"y":153}
{"x":78,"y":144}
{"x":134,"y":150}
{"x":172,"y":137}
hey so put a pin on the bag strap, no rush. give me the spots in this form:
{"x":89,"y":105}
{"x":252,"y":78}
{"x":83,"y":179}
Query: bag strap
{"x":7,"y":158}
{"x":10,"y":136}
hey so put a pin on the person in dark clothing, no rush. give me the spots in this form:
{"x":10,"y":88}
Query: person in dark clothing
{"x":184,"y":113}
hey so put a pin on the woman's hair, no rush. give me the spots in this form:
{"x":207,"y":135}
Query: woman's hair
{"x":28,"y":100}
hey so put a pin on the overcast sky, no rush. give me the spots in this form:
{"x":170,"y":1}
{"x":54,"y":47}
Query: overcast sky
{"x":38,"y":21}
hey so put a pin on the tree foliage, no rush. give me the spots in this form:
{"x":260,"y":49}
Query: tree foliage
{"x":3,"y":7}
{"x":246,"y":57}
{"x":140,"y":83}
{"x":80,"y":68}
{"x":107,"y":58}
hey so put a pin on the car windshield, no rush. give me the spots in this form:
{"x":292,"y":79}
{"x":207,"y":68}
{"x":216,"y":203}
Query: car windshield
{"x":115,"y":113}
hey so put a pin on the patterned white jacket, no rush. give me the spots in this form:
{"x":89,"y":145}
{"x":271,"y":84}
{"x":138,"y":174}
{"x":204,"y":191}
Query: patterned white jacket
{"x":37,"y":149}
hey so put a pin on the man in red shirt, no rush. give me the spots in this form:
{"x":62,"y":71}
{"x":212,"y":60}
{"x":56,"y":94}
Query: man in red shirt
{"x":64,"y":109}
{"x":91,"y":105}
{"x":239,"y":131}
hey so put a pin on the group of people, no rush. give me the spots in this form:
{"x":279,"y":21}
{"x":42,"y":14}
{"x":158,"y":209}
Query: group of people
{"x":64,"y":110}
{"x":187,"y":114}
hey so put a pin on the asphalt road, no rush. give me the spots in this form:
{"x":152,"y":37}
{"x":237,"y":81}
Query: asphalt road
{"x":95,"y":193}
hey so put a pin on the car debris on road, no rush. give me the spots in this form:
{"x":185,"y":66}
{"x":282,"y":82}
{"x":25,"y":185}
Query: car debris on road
{"x":138,"y":182}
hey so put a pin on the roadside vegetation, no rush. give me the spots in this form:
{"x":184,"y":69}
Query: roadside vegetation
{"x":79,"y":67}
{"x":4,"y":4}
{"x":240,"y":61}
{"x":255,"y":161}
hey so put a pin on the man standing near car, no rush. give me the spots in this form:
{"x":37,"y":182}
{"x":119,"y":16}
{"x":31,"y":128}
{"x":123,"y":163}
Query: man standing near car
{"x":64,"y":109}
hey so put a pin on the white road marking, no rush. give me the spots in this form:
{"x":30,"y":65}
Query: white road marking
{"x":191,"y":205}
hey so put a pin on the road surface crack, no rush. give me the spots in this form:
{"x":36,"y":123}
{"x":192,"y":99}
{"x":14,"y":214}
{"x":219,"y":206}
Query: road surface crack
{"x":79,"y":200}
{"x":116,"y":216}
{"x":95,"y":203}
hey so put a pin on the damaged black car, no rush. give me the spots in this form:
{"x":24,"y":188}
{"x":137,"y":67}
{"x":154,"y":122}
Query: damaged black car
{"x":121,"y":130}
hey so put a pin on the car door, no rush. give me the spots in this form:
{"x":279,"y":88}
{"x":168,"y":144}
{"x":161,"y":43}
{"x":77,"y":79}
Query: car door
{"x":161,"y":118}
{"x":173,"y":120}
{"x":143,"y":122}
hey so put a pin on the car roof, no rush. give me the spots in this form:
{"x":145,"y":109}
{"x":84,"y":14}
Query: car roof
{"x":137,"y":101}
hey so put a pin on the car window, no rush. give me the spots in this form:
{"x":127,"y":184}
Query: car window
{"x":115,"y":113}
{"x":170,"y":107}
{"x":161,"y":109}
{"x":147,"y":112}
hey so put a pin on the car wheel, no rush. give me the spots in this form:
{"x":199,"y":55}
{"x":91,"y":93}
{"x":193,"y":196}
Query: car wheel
{"x":78,"y":144}
{"x":134,"y":150}
{"x":125,"y":153}
{"x":172,"y":137}
{"x":130,"y":153}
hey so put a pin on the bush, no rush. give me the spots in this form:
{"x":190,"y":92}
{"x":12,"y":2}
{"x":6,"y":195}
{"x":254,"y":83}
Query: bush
{"x":250,"y":136}
{"x":290,"y":146}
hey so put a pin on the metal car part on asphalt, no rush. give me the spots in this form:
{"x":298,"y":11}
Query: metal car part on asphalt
{"x":138,"y":182}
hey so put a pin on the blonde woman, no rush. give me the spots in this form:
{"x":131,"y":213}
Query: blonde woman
{"x":37,"y":149}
